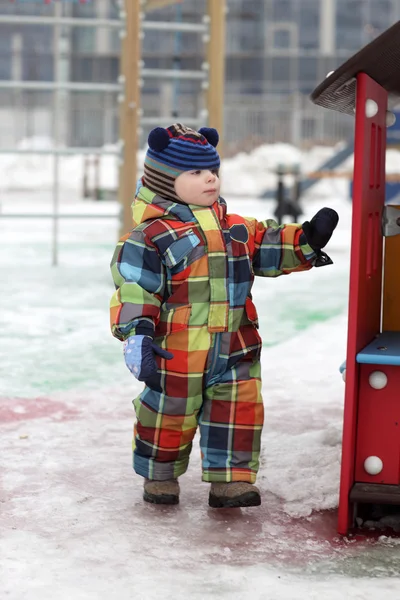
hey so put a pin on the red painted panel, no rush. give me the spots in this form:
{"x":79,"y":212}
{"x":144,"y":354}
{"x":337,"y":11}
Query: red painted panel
{"x":378,"y":425}
{"x":366,"y":265}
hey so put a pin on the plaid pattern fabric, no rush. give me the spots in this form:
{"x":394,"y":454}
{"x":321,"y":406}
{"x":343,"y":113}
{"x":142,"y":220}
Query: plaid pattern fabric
{"x":218,"y":311}
{"x":216,"y":385}
{"x":184,"y":275}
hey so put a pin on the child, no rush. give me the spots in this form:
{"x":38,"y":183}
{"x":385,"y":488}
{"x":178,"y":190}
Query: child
{"x":183,"y":306}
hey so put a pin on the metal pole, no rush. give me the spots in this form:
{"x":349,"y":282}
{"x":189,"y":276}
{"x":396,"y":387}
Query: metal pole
{"x":295,"y":118}
{"x":73,"y":86}
{"x":296,"y":208}
{"x":96,"y":23}
{"x":7,"y":84}
{"x":166,"y":120}
{"x":51,"y":215}
{"x":63,"y":151}
{"x":16,"y":73}
{"x":51,"y":21}
{"x":173,"y":74}
{"x":280,"y":195}
{"x":176,"y":26}
{"x":56,"y":134}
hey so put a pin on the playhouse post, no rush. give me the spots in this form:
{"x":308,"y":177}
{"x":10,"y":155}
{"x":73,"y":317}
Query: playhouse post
{"x":365,"y":265}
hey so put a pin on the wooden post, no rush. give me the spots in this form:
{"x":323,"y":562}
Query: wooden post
{"x":391,"y":283}
{"x":129,"y":112}
{"x":216,"y":59}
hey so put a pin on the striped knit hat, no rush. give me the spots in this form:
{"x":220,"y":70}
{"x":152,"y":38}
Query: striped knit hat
{"x":173,"y":151}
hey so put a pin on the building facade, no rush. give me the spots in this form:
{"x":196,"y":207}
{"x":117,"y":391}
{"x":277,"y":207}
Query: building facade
{"x":277,"y":52}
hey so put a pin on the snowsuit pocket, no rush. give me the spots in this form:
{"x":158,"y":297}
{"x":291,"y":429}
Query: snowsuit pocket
{"x":179,"y":250}
{"x":173,"y":320}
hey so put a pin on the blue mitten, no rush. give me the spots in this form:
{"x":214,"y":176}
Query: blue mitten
{"x":139,"y":353}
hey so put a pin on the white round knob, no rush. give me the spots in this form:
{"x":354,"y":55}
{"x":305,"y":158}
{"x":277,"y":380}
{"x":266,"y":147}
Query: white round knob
{"x":373,"y":465}
{"x":371,"y":108}
{"x":390,"y":118}
{"x":378,"y":380}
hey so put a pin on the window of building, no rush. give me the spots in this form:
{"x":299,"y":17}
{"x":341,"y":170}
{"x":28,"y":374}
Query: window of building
{"x":37,"y":55}
{"x":246,"y":8}
{"x":308,"y":73}
{"x":156,"y":44}
{"x":350,"y":16}
{"x":82,"y":68}
{"x":283,"y":10}
{"x":308,"y":20}
{"x":280,"y":68}
{"x":379,"y":17}
{"x":36,"y":9}
{"x":37,"y":66}
{"x":115,"y":42}
{"x":5,"y":65}
{"x":244,"y":69}
{"x":245,"y":35}
{"x":83,"y":40}
{"x":5,"y":38}
{"x":36,"y":38}
{"x":85,"y":10}
{"x":281,"y":38}
{"x":114,"y":9}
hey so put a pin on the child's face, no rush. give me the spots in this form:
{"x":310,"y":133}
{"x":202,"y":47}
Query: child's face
{"x":198,"y":187}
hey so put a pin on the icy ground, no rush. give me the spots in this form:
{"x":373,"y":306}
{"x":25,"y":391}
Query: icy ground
{"x":72,"y":522}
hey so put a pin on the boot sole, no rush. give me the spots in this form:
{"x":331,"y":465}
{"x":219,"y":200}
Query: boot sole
{"x":243,"y":501}
{"x":160,"y":498}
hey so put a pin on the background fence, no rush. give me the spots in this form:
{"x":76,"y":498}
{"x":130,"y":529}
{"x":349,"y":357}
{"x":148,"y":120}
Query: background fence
{"x":93,"y":119}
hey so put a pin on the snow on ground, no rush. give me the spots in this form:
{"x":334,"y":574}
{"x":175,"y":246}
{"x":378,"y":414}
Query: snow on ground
{"x":72,"y":521}
{"x":248,"y":173}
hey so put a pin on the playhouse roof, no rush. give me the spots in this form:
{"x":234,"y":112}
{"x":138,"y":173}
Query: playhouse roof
{"x":380,"y":59}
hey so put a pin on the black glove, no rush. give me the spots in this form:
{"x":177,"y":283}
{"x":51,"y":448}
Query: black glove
{"x":319,"y":230}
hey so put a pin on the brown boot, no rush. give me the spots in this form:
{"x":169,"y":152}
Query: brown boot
{"x":161,"y":492}
{"x":233,"y":495}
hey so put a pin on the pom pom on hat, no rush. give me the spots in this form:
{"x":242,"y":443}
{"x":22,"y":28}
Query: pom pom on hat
{"x":158,"y":139}
{"x":211,"y":135}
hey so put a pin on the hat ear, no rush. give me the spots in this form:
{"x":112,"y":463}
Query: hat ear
{"x":211,"y":135}
{"x":158,"y":139}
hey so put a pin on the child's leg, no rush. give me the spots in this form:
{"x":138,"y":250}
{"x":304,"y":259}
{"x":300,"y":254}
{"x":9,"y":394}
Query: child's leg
{"x":167,"y":410}
{"x":163,"y":440}
{"x":231,"y":424}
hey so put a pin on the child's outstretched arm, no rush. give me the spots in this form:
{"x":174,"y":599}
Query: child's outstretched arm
{"x":284,"y":249}
{"x":139,"y":279}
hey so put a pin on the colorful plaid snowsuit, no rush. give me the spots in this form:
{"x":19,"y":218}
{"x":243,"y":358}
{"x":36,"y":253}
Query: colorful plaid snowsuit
{"x":184,"y":275}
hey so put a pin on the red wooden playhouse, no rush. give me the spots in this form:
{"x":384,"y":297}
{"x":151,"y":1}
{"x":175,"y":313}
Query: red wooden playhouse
{"x":368,"y":84}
